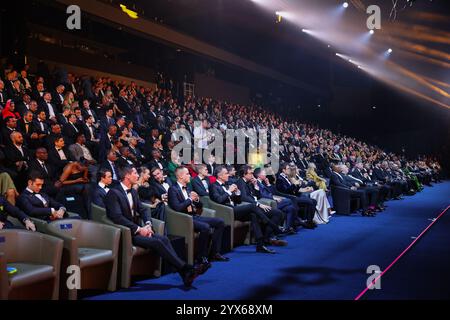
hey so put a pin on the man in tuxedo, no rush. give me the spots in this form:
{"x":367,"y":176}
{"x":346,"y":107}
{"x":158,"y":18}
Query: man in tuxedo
{"x":58,"y":155}
{"x":371,"y":193}
{"x":157,"y":161}
{"x":63,"y":117}
{"x":160,"y":183}
{"x":9,"y":210}
{"x":380,"y":174}
{"x":10,"y":127}
{"x":58,"y":98}
{"x":91,"y":134}
{"x":183,"y":199}
{"x":201,"y":182}
{"x":338,"y":180}
{"x":229,"y":195}
{"x":38,"y":204}
{"x":284,"y":204}
{"x":123,"y":105}
{"x":298,"y":194}
{"x":23,"y":105}
{"x":134,"y":149}
{"x":125,"y":158}
{"x":41,"y":127}
{"x":106,"y":141}
{"x":104,"y":177}
{"x":38,"y":92}
{"x":47,"y":172}
{"x":49,"y":108}
{"x":124,"y":207}
{"x":358,"y":172}
{"x":70,"y":129}
{"x":25,"y":126}
{"x":108,"y":120}
{"x":55,"y":132}
{"x":272,"y":217}
{"x":87,"y":111}
{"x":110,"y":165}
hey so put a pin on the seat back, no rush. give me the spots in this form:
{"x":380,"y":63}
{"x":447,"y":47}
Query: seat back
{"x":70,"y":227}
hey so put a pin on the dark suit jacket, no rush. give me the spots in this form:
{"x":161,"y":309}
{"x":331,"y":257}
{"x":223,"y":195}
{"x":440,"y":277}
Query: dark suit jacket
{"x":62,"y":119}
{"x":32,"y":206}
{"x":6,"y":136}
{"x":159,"y":188}
{"x":248,"y":192}
{"x":217,"y":194}
{"x":107,"y":165}
{"x":69,"y":133}
{"x":98,"y":196}
{"x":177,"y":201}
{"x":49,"y":176}
{"x":55,"y":160}
{"x":339,"y":181}
{"x":44,"y":106}
{"x":14,"y":155}
{"x":87,"y":133}
{"x":198,"y":186}
{"x":283,"y":186}
{"x":86,"y":114}
{"x":119,"y":211}
{"x":265,"y":191}
{"x":9,"y":209}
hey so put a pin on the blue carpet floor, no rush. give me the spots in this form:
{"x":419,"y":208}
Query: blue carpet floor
{"x":329,"y":262}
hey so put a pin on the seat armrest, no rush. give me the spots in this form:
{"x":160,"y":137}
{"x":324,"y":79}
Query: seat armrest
{"x":4,"y":285}
{"x":158,"y":226}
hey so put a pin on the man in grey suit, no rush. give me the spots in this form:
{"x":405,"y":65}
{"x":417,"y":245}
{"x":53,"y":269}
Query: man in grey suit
{"x":80,"y":152}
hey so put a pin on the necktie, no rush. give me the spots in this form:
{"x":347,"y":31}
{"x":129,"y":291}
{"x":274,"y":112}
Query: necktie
{"x":44,"y":167}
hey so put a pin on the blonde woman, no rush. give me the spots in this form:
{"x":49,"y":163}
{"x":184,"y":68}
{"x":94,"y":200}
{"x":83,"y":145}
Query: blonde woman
{"x":323,"y":207}
{"x":313,"y":176}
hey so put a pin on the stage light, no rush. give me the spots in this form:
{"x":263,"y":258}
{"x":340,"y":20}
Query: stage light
{"x":132,"y":14}
{"x":359,"y":67}
{"x":345,"y":4}
{"x":389,"y":50}
{"x":371,"y":32}
{"x":304,"y":30}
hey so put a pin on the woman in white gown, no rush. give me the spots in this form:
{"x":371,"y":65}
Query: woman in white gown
{"x":323,"y":207}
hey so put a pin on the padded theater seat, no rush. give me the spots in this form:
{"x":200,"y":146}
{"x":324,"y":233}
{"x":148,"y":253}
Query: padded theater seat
{"x":28,"y":272}
{"x":91,"y":256}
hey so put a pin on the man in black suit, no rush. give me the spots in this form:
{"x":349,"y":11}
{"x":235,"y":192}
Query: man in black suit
{"x":17,"y":159}
{"x":57,"y":96}
{"x":38,"y":204}
{"x":371,"y":193}
{"x":58,"y":155}
{"x":26,"y":127}
{"x":10,"y":127}
{"x":160,"y":183}
{"x":40,"y":165}
{"x":201,"y":182}
{"x":92,"y":135}
{"x":104,"y":177}
{"x":136,"y":152}
{"x":157,"y":161}
{"x":183,"y":199}
{"x":3,"y":94}
{"x":123,"y":105}
{"x":87,"y":111}
{"x":125,"y":158}
{"x":49,"y":108}
{"x":106,"y":142}
{"x":9,"y":209}
{"x":124,"y":207}
{"x":298,"y":194}
{"x":338,"y":179}
{"x":110,"y":165}
{"x":41,"y":127}
{"x":63,"y":117}
{"x":273,"y":217}
{"x":70,"y":130}
{"x":108,"y":120}
{"x":230,"y":195}
{"x":365,"y":180}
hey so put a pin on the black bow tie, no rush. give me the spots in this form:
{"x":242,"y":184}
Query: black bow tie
{"x":34,"y":193}
{"x":128,"y":191}
{"x":184,"y":188}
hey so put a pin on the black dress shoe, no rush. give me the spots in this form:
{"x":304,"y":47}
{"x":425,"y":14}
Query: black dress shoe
{"x":219,"y":257}
{"x":264,"y":249}
{"x":204,"y":265}
{"x":188,"y":274}
{"x":278,"y":242}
